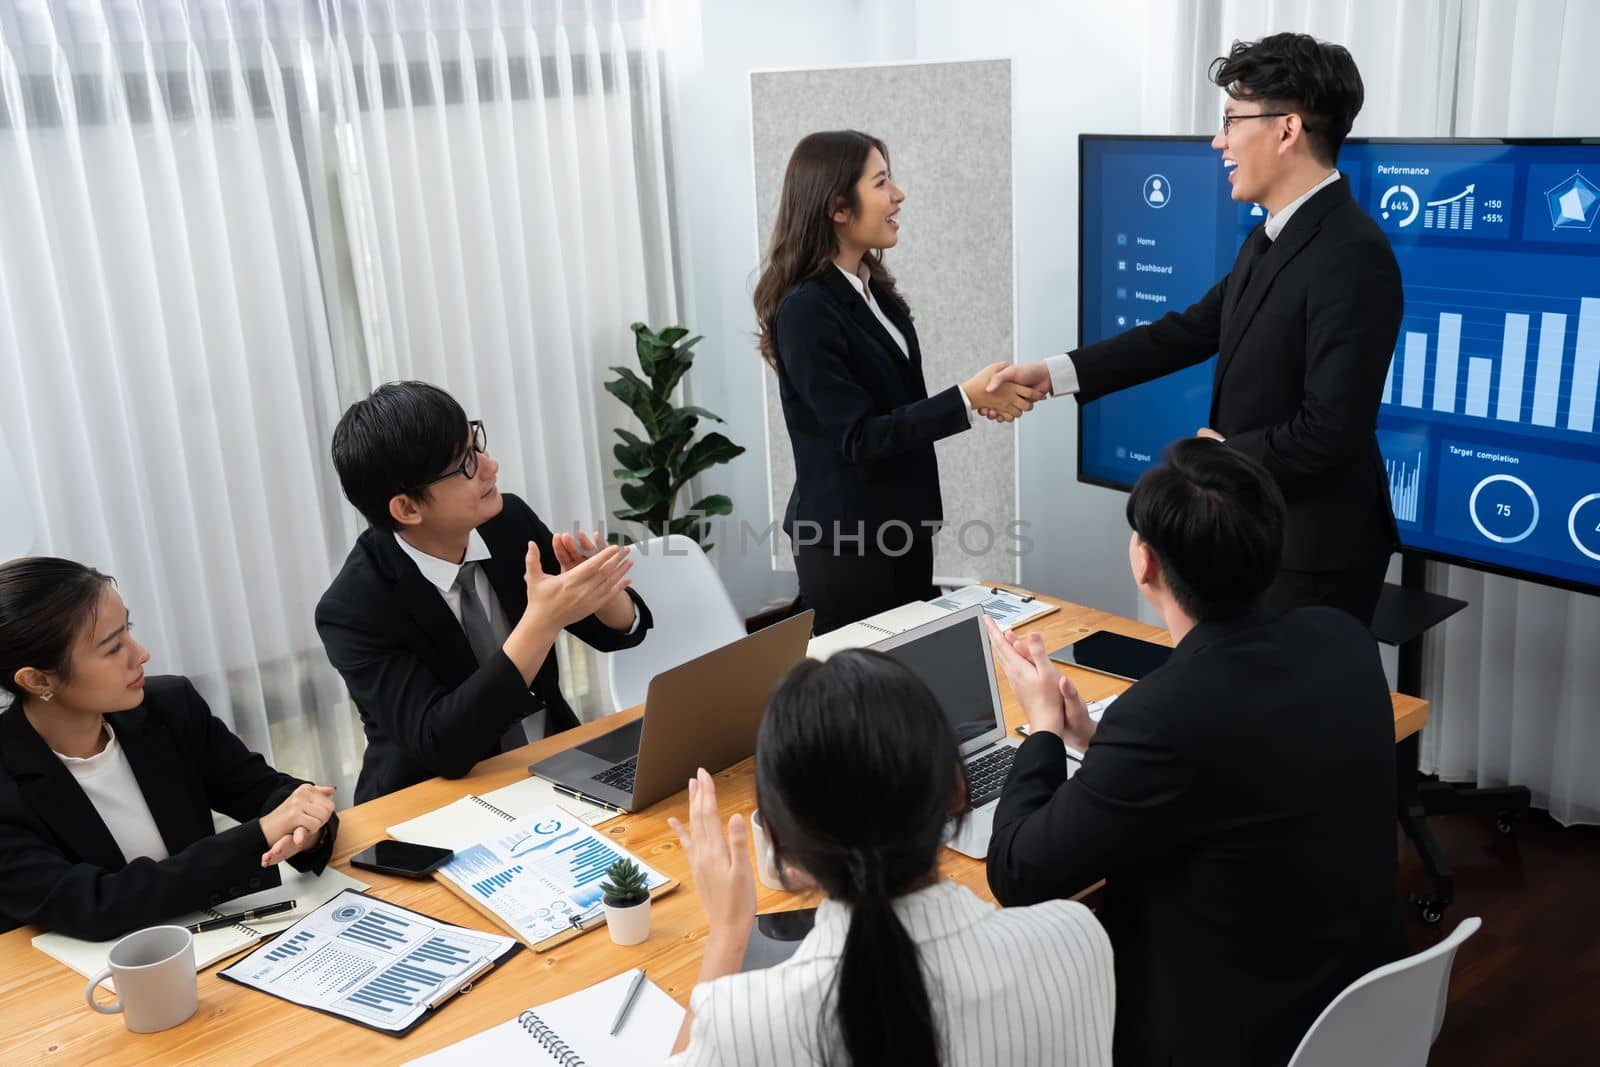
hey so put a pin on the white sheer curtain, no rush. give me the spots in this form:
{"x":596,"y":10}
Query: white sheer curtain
{"x":1512,"y":680}
{"x":225,"y":219}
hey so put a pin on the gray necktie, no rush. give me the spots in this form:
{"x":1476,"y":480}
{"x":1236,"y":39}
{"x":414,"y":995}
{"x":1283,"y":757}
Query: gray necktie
{"x":475,"y":615}
{"x":480,"y":635}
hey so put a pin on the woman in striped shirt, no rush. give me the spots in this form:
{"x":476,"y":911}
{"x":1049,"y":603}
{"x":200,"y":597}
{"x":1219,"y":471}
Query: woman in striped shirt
{"x":857,"y":773}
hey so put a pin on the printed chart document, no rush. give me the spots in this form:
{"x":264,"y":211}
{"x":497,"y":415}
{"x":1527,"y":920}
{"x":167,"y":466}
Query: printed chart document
{"x":574,"y":1031}
{"x":473,"y":817}
{"x":369,"y":961}
{"x":1009,"y":610}
{"x":540,"y":876}
{"x":308,"y":891}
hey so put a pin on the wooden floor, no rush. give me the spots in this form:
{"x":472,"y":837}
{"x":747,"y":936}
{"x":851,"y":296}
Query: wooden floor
{"x":1526,"y":988}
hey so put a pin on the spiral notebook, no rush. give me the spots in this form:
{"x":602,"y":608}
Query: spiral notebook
{"x":308,"y":891}
{"x":472,"y":818}
{"x":572,"y":1031}
{"x":870,"y":631}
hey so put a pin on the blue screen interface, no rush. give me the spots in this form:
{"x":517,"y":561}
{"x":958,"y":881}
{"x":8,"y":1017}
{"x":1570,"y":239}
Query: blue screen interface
{"x":1488,"y":422}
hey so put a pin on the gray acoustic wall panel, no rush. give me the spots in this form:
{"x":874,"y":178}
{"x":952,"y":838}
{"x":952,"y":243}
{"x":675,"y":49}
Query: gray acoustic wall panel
{"x":948,"y":128}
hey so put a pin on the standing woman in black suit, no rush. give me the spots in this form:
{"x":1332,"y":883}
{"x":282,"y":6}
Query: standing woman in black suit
{"x":865,"y":505}
{"x":108,"y":778}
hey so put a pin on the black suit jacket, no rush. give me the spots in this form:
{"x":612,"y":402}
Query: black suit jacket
{"x":428,"y":707}
{"x":859,"y":416}
{"x":63,"y":871}
{"x":1239,"y":802}
{"x":1303,"y":348}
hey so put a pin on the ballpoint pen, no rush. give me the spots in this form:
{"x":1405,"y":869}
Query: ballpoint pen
{"x":575,"y":795}
{"x":627,"y":1002}
{"x":245,"y":916}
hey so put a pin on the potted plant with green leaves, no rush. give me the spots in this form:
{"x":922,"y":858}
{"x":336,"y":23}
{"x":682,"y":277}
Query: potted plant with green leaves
{"x":626,"y":896}
{"x":655,"y":468}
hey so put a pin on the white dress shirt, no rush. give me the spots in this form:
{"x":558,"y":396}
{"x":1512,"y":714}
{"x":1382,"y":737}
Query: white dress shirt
{"x":106,"y":778}
{"x":858,"y":282}
{"x":1064,"y":375}
{"x":1011,"y":987}
{"x":441,"y":574}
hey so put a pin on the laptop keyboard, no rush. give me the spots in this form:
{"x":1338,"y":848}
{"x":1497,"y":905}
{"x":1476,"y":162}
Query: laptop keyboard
{"x":987,"y":773}
{"x":619,"y":776}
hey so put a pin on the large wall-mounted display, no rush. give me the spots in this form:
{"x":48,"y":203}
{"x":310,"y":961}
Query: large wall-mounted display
{"x":1488,"y":425}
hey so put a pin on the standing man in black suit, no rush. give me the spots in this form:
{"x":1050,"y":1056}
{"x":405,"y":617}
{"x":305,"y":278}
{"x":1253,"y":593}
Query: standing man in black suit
{"x":1239,"y":801}
{"x":1304,"y":324}
{"x":444,"y":618}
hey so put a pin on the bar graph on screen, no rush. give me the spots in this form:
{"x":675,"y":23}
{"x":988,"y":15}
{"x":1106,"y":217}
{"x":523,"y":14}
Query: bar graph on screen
{"x":1499,"y":335}
{"x":1404,"y":456}
{"x":1404,"y":478}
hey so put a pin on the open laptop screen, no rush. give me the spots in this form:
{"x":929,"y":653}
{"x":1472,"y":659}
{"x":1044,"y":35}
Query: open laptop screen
{"x":953,"y":660}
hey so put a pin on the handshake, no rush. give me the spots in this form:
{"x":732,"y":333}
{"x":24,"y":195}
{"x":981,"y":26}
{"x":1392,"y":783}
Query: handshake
{"x":1002,"y":392}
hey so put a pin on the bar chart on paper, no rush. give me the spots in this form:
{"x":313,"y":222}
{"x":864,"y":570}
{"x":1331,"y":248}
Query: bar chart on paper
{"x":1510,"y":358}
{"x":541,"y":875}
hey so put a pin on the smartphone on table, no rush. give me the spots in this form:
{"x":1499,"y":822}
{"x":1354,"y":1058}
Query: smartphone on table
{"x":403,"y":858}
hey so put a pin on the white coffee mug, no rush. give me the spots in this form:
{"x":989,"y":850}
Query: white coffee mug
{"x":155,"y":979}
{"x":766,"y":861}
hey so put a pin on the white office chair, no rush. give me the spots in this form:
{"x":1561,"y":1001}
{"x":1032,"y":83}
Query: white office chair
{"x":691,"y":608}
{"x":1389,"y":1017}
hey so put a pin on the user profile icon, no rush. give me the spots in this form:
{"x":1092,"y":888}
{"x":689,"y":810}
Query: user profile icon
{"x":1157,"y":191}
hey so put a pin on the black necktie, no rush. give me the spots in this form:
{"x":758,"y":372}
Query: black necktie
{"x":1256,"y":246}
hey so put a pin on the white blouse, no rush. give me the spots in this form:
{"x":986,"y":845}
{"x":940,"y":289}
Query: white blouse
{"x":858,"y":282}
{"x":1011,"y":987}
{"x":106,"y":778}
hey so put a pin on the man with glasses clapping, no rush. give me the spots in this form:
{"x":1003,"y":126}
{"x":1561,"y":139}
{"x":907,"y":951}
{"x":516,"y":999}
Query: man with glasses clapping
{"x":444,"y":618}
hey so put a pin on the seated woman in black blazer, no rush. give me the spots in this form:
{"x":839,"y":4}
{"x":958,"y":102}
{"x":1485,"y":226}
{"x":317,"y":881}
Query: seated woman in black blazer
{"x":108,"y":778}
{"x":866,"y":503}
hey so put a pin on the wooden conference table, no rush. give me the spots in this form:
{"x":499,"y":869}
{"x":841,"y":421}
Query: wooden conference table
{"x":43,"y":1018}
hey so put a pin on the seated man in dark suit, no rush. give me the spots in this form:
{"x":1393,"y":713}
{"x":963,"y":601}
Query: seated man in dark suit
{"x":444,"y":618}
{"x":1239,"y":801}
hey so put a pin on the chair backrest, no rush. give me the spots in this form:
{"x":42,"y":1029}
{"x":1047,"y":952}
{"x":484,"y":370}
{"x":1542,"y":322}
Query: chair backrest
{"x":1388,"y":1017}
{"x":692,"y":611}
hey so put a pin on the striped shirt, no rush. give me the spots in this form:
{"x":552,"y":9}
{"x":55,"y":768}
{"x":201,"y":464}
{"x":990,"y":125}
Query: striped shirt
{"x":1011,"y":987}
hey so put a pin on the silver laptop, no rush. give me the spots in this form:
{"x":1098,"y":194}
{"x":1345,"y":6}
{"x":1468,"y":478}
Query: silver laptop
{"x":703,"y":713}
{"x":952,"y":656}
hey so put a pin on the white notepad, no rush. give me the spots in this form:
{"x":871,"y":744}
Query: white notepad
{"x":308,"y":891}
{"x":473,"y":818}
{"x":572,"y":1031}
{"x":871,"y":630}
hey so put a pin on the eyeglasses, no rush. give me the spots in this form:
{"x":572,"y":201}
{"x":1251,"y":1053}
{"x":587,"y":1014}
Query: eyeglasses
{"x":1229,"y":120}
{"x":468,"y":467}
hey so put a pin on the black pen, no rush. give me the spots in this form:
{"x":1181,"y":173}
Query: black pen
{"x":245,"y":916}
{"x":575,"y":795}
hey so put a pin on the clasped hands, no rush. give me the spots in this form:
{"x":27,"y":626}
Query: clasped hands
{"x":1002,"y":391}
{"x":1048,"y":698}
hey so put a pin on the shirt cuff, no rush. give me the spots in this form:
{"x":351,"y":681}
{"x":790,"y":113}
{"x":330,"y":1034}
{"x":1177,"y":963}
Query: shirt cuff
{"x":637,"y":616}
{"x":1063,"y":374}
{"x":966,"y":402}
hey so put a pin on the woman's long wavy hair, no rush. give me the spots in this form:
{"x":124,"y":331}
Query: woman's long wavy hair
{"x":820,"y":179}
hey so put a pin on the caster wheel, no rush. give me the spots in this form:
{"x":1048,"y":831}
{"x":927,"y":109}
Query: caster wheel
{"x":1505,"y":822}
{"x":1431,"y":914}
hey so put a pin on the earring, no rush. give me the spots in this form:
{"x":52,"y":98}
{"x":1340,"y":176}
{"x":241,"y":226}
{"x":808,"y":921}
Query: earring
{"x":48,"y":694}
